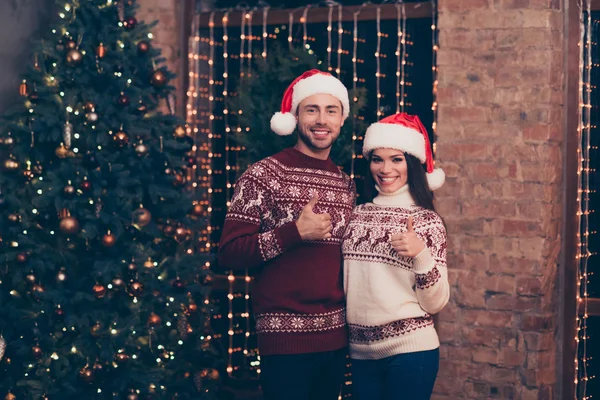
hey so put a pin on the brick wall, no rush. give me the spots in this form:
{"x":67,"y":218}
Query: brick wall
{"x":500,"y":136}
{"x":167,"y":37}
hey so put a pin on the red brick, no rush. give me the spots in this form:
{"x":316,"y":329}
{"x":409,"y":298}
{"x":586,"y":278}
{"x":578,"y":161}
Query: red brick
{"x":529,"y":287}
{"x":456,"y":37}
{"x":535,"y":341}
{"x":538,"y":323}
{"x":489,"y":208}
{"x":467,"y":151}
{"x":463,"y":114}
{"x":498,"y":319}
{"x":528,"y":304}
{"x":498,"y":375}
{"x":485,"y":355}
{"x":517,"y":228}
{"x":488,"y":336}
{"x":501,"y":302}
{"x":449,"y":57}
{"x":511,"y":358}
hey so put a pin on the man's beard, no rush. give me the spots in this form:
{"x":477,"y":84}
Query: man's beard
{"x":312,"y":143}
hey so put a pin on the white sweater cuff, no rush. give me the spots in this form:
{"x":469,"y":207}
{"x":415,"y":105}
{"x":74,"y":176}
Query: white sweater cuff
{"x":423,"y":262}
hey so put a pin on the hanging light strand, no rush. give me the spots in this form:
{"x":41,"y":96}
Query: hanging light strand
{"x":290,"y":27}
{"x":354,"y":83}
{"x":339,"y":50}
{"x":434,"y":69}
{"x":329,"y":28}
{"x":265,"y":34}
{"x":378,"y":61}
{"x":304,"y":26}
{"x":583,"y":189}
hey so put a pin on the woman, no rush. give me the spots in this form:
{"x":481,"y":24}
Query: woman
{"x":395,"y":274}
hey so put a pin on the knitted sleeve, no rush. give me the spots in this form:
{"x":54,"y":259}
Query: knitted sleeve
{"x":245,"y":243}
{"x":431,"y":273}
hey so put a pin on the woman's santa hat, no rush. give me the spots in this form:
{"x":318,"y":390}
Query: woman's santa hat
{"x":309,"y":83}
{"x":405,"y":133}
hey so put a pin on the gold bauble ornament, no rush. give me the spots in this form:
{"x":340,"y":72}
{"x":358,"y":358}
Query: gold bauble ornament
{"x":99,"y":291}
{"x":141,"y":149}
{"x":89,"y":106}
{"x":137,"y":288}
{"x":132,"y":396}
{"x":141,"y":217}
{"x":121,"y":138}
{"x":69,"y":225}
{"x":92,"y":116}
{"x":86,"y":374}
{"x":22,"y":258}
{"x":153,"y":320}
{"x":197,"y":210}
{"x":121,"y":357}
{"x":74,"y":57}
{"x":71,"y":44}
{"x":14,"y":218}
{"x":10,"y":396}
{"x":143,"y":46}
{"x":158,"y":79}
{"x":179,"y":131}
{"x":182,"y":234}
{"x":109,"y":240}
{"x":37,"y":352}
{"x":69,"y":190}
{"x":117,"y":282}
{"x":149,"y":263}
{"x":62,"y":151}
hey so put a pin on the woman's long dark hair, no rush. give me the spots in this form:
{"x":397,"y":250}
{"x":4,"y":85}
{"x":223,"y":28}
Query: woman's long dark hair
{"x":417,"y":183}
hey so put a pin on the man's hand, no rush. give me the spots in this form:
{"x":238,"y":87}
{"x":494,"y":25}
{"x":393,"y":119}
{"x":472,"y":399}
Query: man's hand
{"x":313,"y":226}
{"x":407,"y":244}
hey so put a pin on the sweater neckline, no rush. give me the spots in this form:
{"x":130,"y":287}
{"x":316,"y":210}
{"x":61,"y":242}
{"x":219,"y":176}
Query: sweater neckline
{"x":399,"y":198}
{"x":309,"y":161}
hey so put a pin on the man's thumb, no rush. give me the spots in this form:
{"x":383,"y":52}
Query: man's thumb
{"x":312,"y":202}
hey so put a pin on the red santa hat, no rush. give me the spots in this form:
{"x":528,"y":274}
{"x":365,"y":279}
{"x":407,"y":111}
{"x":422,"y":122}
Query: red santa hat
{"x":405,"y":133}
{"x":309,"y":83}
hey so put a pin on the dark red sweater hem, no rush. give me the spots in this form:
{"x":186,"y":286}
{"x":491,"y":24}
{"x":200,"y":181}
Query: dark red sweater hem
{"x":298,"y":343}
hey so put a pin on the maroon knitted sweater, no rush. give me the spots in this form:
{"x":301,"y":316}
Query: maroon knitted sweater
{"x":298,"y":297}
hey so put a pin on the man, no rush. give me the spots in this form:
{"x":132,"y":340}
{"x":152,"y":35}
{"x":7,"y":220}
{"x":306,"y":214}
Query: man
{"x":286,"y":221}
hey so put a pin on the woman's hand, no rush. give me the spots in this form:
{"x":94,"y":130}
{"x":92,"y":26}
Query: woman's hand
{"x":407,"y":244}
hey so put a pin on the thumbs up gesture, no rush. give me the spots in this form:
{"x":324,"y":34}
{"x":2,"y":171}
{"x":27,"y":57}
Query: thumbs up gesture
{"x":312,"y":226}
{"x":407,"y":244}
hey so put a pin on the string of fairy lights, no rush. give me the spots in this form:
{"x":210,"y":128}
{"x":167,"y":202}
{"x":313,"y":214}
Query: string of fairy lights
{"x":222,"y":60}
{"x":583,"y":254}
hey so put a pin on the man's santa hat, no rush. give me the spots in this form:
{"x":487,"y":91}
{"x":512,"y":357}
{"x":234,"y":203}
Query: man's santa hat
{"x":405,"y":133}
{"x":309,"y":83}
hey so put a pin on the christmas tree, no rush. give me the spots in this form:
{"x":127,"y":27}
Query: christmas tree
{"x":104,"y":267}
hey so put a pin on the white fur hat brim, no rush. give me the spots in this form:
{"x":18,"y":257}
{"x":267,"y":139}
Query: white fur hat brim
{"x":392,"y":136}
{"x":321,"y":84}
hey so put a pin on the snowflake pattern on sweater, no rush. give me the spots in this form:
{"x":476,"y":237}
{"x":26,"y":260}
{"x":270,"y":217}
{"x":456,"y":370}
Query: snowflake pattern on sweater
{"x":390,"y":298}
{"x":271,"y":194}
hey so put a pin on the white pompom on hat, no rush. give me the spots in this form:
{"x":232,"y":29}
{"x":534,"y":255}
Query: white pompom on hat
{"x":309,"y":83}
{"x":406,"y":133}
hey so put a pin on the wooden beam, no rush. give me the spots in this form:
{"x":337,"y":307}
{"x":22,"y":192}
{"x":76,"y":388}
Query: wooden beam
{"x":319,"y":15}
{"x":593,"y":308}
{"x":596,"y":5}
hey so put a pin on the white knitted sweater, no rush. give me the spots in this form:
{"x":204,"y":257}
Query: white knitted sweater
{"x":390,"y":298}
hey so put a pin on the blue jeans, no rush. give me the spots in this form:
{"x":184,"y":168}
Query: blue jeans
{"x":308,"y":376}
{"x":409,"y":376}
